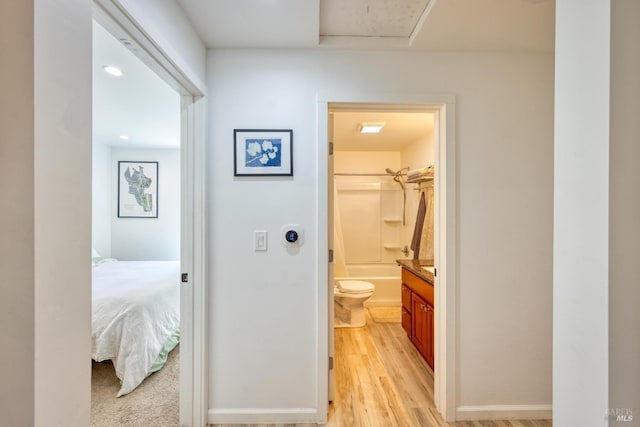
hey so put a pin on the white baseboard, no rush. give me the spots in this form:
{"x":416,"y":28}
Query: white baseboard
{"x":503,"y":412}
{"x":263,"y":416}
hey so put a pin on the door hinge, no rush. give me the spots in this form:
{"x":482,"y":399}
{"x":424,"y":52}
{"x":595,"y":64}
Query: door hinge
{"x":330,"y":363}
{"x":330,"y":255}
{"x":185,"y":277}
{"x":331,"y":148}
{"x":435,"y":272}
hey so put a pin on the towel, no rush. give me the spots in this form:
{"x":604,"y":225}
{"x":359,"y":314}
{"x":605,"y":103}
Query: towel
{"x":418,"y":174}
{"x":426,"y":240}
{"x":417,"y":231}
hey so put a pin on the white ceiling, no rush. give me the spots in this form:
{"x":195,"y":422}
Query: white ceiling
{"x":489,"y":25}
{"x":141,"y":105}
{"x":138,"y":104}
{"x":254,"y":23}
{"x":486,"y":25}
{"x":401,"y":129}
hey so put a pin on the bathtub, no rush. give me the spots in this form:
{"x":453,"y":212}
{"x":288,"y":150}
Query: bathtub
{"x":385,"y":277}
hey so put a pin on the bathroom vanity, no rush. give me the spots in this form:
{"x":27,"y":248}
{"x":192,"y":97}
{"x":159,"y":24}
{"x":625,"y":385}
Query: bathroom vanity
{"x":418,"y":305}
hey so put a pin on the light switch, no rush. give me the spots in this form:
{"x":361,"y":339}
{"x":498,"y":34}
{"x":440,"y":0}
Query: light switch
{"x":260,"y":240}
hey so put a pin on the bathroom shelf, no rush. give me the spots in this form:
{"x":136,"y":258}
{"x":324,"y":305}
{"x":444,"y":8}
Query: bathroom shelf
{"x":392,"y":220}
{"x":392,"y":247}
{"x":420,"y":179}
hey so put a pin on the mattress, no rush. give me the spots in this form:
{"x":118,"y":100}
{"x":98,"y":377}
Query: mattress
{"x":135,"y":311}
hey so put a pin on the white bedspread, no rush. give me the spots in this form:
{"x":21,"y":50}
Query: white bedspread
{"x":136,"y":308}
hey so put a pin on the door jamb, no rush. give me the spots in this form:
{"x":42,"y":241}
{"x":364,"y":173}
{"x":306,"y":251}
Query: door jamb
{"x":193,"y":295}
{"x":446,"y":224}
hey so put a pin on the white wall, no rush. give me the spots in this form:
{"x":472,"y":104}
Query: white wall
{"x":102,"y":196}
{"x":145,"y":239}
{"x":624,"y":269}
{"x":581,"y":217}
{"x":266,"y":303}
{"x":365,"y":161}
{"x":45,"y":166}
{"x":17,"y":282}
{"x":137,"y":239}
{"x":62,"y":212}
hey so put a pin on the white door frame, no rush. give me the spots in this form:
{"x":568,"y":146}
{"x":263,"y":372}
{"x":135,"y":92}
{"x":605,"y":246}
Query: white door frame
{"x":445,"y":249}
{"x":193,"y":296}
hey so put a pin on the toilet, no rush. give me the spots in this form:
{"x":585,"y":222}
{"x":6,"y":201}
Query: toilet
{"x":349,"y":297}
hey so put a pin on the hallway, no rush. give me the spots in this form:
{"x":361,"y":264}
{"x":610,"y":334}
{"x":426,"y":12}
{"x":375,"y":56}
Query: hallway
{"x":382,"y":381}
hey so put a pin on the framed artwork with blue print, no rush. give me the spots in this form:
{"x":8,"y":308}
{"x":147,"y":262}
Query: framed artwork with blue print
{"x":263,"y":152}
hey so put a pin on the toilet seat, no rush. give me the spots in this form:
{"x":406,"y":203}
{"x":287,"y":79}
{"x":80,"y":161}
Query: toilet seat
{"x":355,"y":286}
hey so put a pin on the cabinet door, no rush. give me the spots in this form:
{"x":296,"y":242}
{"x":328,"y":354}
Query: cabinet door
{"x":419,"y":331}
{"x":406,"y":321}
{"x":406,"y":297}
{"x":430,"y":335}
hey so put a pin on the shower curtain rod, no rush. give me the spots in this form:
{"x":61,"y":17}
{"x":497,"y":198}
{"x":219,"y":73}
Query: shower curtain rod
{"x":366,"y":174}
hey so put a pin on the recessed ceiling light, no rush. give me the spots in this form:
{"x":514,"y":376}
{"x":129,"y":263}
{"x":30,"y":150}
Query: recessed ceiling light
{"x":112,"y":70}
{"x":370,"y":127}
{"x":124,"y":137}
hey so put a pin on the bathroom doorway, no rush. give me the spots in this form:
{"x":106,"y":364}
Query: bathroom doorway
{"x":366,"y":183}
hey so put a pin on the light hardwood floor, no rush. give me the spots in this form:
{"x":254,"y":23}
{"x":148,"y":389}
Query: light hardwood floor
{"x":381,"y":381}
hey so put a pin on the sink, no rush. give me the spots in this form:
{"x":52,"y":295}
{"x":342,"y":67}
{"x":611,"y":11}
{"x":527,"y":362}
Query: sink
{"x":429,"y":268}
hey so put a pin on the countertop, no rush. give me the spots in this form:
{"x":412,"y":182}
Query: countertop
{"x":415,"y":266}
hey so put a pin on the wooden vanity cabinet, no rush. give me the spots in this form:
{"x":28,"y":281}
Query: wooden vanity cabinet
{"x":422,"y":328}
{"x":406,"y":309}
{"x":417,"y":313}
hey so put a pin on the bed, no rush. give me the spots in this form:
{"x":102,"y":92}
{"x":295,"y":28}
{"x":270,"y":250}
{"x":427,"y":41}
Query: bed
{"x":135,"y":316}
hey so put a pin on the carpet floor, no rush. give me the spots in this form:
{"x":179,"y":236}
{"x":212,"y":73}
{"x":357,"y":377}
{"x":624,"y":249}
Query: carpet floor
{"x":154,"y":403}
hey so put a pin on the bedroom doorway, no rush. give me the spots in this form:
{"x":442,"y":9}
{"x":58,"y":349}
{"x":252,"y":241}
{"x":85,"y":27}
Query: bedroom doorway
{"x":163,"y":220}
{"x":136,"y":238}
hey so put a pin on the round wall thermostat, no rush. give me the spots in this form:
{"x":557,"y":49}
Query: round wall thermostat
{"x":292,"y":236}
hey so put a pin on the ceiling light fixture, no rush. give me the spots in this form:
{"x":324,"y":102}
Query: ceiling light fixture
{"x":371,"y":127}
{"x":112,"y":70}
{"x":124,"y":137}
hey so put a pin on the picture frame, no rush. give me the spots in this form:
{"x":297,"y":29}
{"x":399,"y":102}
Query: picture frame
{"x":263,"y":152}
{"x":137,"y":189}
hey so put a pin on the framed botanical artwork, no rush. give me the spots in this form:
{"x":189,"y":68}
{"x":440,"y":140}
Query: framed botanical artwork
{"x":263,"y":152}
{"x":137,"y":189}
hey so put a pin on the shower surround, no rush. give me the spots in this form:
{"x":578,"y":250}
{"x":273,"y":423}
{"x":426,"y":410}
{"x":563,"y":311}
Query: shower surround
{"x":368,"y":233}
